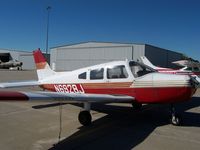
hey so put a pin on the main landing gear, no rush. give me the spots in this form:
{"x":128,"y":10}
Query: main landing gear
{"x":175,"y":118}
{"x":84,"y":116}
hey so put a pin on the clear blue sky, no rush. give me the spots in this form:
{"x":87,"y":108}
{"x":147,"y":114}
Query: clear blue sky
{"x":171,"y":24}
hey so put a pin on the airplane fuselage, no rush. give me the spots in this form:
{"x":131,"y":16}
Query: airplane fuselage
{"x":114,"y":82}
{"x":149,"y":87}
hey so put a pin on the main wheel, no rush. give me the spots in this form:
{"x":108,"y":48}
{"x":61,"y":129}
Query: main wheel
{"x":85,"y":118}
{"x":137,"y":105}
{"x":175,"y":120}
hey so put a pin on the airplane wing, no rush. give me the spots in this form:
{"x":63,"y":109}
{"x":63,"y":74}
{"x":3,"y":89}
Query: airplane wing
{"x":64,"y":97}
{"x":187,"y":63}
{"x":19,"y":84}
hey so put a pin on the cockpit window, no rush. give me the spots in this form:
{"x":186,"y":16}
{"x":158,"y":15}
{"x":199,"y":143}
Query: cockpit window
{"x":96,"y":74}
{"x":139,"y":69}
{"x":82,"y":75}
{"x":117,"y":72}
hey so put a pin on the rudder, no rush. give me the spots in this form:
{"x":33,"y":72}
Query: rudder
{"x":43,"y":68}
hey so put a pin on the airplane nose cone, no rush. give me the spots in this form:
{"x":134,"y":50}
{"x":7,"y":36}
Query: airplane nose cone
{"x":194,"y":82}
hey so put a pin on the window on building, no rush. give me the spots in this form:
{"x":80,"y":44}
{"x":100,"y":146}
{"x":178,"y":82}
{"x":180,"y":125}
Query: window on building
{"x":82,"y":75}
{"x":117,"y":72}
{"x":96,"y":74}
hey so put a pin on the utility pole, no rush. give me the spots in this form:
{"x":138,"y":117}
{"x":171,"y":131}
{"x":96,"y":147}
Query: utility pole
{"x":47,"y":38}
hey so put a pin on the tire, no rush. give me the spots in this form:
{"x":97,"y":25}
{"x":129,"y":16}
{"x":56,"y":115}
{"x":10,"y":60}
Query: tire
{"x":175,"y":120}
{"x":85,"y":118}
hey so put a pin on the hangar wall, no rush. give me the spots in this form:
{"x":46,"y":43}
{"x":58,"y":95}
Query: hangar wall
{"x":23,"y":56}
{"x":70,"y":57}
{"x":86,"y":54}
{"x":28,"y":63}
{"x":162,"y":57}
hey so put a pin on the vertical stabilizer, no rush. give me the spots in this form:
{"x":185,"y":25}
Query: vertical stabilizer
{"x":43,"y":68}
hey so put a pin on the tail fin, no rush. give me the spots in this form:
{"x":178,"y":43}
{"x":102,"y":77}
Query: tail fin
{"x":43,"y":68}
{"x":145,"y":61}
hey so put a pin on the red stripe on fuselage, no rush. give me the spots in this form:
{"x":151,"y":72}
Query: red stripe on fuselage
{"x":178,"y":72}
{"x":12,"y":96}
{"x":151,"y":95}
{"x":142,"y":95}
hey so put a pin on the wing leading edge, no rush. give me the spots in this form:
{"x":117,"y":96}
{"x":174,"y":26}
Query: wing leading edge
{"x":66,"y":97}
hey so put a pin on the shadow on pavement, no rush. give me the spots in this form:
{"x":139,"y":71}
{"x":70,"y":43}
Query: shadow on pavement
{"x":125,"y":128}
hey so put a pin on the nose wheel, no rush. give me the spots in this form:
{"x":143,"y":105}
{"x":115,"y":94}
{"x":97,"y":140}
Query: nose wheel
{"x":175,"y":118}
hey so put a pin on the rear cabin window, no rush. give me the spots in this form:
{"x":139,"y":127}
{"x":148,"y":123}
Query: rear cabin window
{"x":82,"y":75}
{"x":96,"y":74}
{"x":117,"y":72}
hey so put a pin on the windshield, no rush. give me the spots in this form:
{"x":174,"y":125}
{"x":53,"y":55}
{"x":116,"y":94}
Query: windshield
{"x":139,"y":69}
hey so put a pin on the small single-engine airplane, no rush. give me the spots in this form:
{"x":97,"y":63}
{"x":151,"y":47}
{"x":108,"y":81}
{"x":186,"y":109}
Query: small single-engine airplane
{"x":189,"y":65}
{"x":188,"y":68}
{"x":117,"y":81}
{"x":11,"y":64}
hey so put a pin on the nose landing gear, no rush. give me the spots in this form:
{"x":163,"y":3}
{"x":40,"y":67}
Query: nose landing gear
{"x":175,"y":118}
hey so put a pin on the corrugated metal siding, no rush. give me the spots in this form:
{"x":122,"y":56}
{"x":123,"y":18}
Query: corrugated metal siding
{"x":161,"y":57}
{"x":21,"y":56}
{"x":53,"y":56}
{"x":25,"y":57}
{"x":93,"y":44}
{"x":86,"y":54}
{"x":28,"y":62}
{"x":173,"y":56}
{"x":74,"y":58}
{"x":156,"y":55}
{"x":138,"y":50}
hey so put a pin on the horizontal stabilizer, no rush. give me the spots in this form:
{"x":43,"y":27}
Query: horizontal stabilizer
{"x":19,"y":84}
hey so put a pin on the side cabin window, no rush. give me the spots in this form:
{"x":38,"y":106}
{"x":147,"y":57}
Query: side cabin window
{"x":82,"y":75}
{"x":96,"y":74}
{"x":139,"y":69}
{"x":117,"y":72}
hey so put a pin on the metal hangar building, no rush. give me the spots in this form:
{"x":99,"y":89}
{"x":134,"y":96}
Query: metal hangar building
{"x":23,"y":56}
{"x":70,"y":57}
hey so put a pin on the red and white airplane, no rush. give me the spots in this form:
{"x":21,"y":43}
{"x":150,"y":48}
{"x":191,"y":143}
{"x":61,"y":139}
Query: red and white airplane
{"x":117,"y":81}
{"x":188,"y":68}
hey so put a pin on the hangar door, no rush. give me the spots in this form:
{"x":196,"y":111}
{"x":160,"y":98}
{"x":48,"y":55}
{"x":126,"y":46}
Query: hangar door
{"x":4,"y":57}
